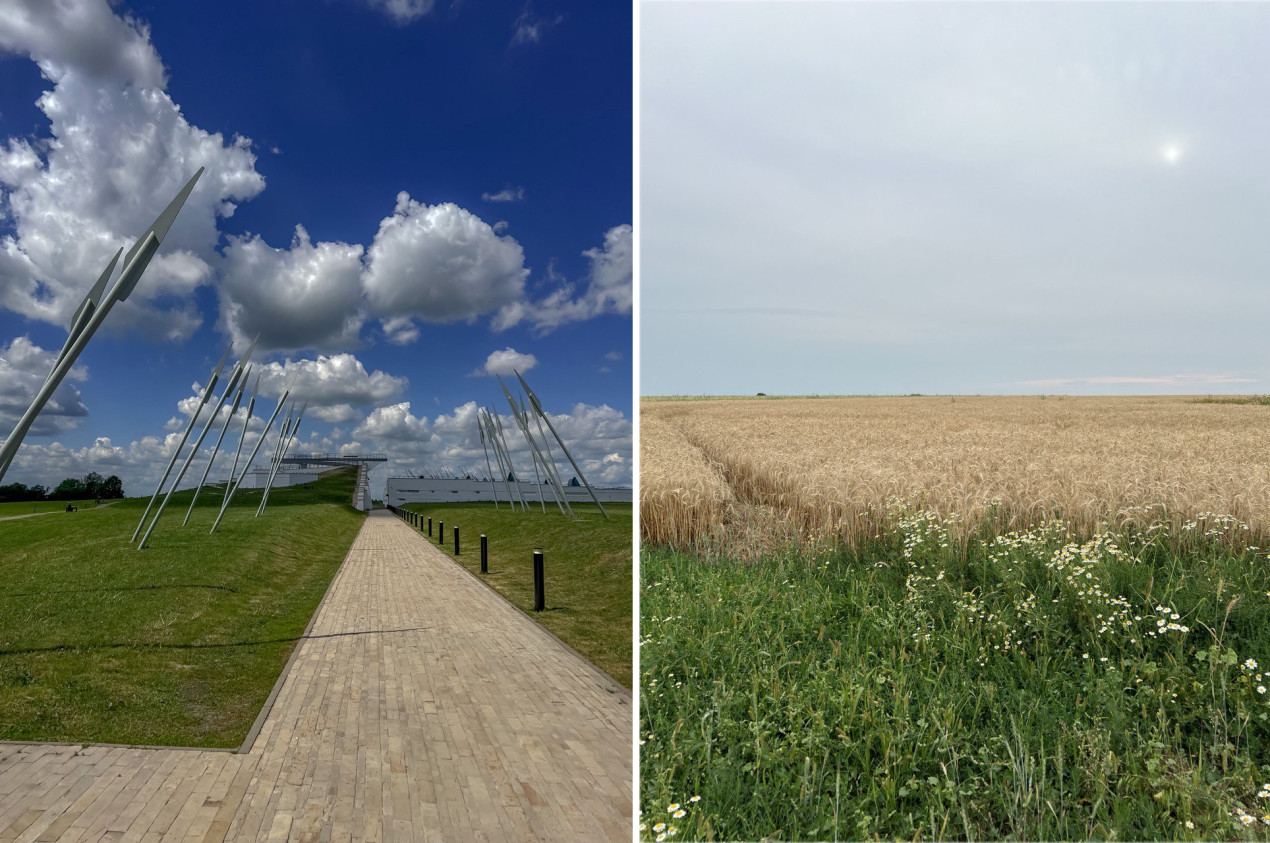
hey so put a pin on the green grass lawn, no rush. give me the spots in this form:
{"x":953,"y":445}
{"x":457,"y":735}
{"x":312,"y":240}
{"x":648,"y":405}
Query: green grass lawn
{"x":586,"y":564}
{"x":1037,"y":686}
{"x":8,"y":508}
{"x":179,"y":644}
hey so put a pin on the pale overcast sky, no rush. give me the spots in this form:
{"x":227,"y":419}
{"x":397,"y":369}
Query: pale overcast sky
{"x":955,"y":197}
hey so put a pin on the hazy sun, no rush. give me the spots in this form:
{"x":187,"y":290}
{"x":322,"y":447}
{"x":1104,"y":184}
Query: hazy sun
{"x":1171,"y":153}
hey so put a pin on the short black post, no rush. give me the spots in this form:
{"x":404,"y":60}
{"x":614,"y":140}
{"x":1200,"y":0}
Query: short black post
{"x":540,"y":599}
{"x":440,"y":532}
{"x":429,"y":525}
{"x":456,"y":539}
{"x":484,"y":555}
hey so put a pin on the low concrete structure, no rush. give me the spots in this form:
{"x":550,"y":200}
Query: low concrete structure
{"x":403,"y":490}
{"x":258,"y":477}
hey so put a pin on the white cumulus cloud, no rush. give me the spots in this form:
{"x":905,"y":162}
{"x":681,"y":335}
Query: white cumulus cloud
{"x":307,"y":296}
{"x":23,"y":368}
{"x":506,"y":362}
{"x":117,"y":151}
{"x":608,"y":289}
{"x":441,"y":263}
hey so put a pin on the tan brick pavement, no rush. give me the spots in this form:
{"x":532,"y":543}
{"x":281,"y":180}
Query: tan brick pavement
{"x":421,"y":706}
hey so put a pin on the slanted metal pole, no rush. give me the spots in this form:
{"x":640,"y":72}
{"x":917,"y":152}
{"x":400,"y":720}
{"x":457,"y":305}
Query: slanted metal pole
{"x":264,"y":499}
{"x":519,"y":414}
{"x":251,"y":405}
{"x":537,"y":405}
{"x":274,"y":461}
{"x":92,"y":313}
{"x":551,"y":459}
{"x":263,"y":434}
{"x":233,"y":382}
{"x":480,"y":428}
{"x":238,"y":397}
{"x":207,"y":394}
{"x":502,"y":441}
{"x":503,"y":468}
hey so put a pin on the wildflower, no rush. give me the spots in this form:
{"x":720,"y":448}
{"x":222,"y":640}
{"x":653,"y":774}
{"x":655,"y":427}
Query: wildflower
{"x":672,"y":831}
{"x":659,"y":827}
{"x":1261,"y":689}
{"x":1190,"y":824}
{"x":661,"y":837}
{"x":674,"y":806}
{"x":1251,"y":664}
{"x":680,"y":813}
{"x":695,"y":799}
{"x":643,"y":826}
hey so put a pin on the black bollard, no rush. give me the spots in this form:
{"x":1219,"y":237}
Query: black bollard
{"x":456,"y":539}
{"x":484,"y":555}
{"x":429,"y":525}
{"x":441,"y":532}
{"x":540,"y":599}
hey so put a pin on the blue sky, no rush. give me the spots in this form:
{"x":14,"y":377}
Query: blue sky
{"x":954,"y":198}
{"x":401,"y":196}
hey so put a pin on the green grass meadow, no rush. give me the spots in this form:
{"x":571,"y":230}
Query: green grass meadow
{"x":587,"y":565}
{"x":178,"y":644}
{"x":9,"y":508}
{"x":1032,"y":686}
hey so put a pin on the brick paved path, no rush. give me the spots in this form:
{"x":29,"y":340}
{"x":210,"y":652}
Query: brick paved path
{"x":420,"y":707}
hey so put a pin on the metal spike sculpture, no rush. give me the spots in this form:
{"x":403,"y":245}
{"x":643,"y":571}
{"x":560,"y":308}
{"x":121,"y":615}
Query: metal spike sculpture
{"x":534,"y":402}
{"x":238,"y":397}
{"x":496,"y":422}
{"x":251,"y":405}
{"x":480,"y":428}
{"x":533,"y":452}
{"x":92,"y":312}
{"x":167,"y":472}
{"x":522,"y":422}
{"x":247,"y":467}
{"x":545,"y":457}
{"x":289,"y":432}
{"x":550,"y":457}
{"x":234,"y":378}
{"x":503,"y":470}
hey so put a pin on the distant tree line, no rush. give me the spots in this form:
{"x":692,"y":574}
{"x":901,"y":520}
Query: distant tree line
{"x":71,"y":489}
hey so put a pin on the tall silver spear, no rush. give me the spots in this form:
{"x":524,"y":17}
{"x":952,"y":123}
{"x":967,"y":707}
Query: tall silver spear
{"x":533,"y":400}
{"x":551,"y":458}
{"x":93,"y":311}
{"x":487,"y":425}
{"x":251,"y":405}
{"x":533,"y":455}
{"x":202,"y":402}
{"x":496,"y":430}
{"x":283,"y":444}
{"x":229,"y":388}
{"x":518,"y":413}
{"x":514,"y":480}
{"x":238,"y":397}
{"x":480,"y":428}
{"x":247,"y":467}
{"x":78,"y":322}
{"x":277,"y":452}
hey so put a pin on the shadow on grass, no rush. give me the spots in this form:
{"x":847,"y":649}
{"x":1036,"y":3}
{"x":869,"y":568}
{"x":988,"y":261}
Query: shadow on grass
{"x":55,"y":648}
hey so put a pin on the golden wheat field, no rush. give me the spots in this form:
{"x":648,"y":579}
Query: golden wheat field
{"x":751,"y":474}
